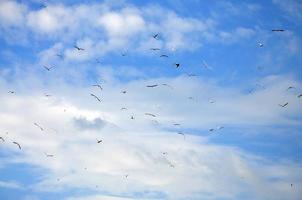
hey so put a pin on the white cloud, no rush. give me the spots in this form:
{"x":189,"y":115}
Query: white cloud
{"x":10,"y":184}
{"x":11,"y":13}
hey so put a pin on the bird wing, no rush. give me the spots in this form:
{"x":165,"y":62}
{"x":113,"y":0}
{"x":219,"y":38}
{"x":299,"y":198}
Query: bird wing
{"x":17,"y":144}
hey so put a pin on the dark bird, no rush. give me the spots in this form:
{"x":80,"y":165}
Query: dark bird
{"x":211,"y":101}
{"x":164,"y":153}
{"x":278,"y":30}
{"x":300,"y":95}
{"x":78,"y":48}
{"x":11,"y":92}
{"x":124,"y":54}
{"x":49,"y":155}
{"x":150,"y":114}
{"x":47,"y":68}
{"x":205,"y":65}
{"x":177,"y":65}
{"x":176,"y":124}
{"x":123,"y":108}
{"x":16,"y":143}
{"x":164,"y":56}
{"x":60,"y":56}
{"x":132,"y":117}
{"x":151,"y":86}
{"x":291,"y":185}
{"x":97,"y":98}
{"x":47,"y":95}
{"x":169,"y":86}
{"x":180,"y":133}
{"x":99,"y":86}
{"x":126,"y":175}
{"x":283,"y":105}
{"x":260,"y":44}
{"x":290,"y":87}
{"x":211,"y":129}
{"x":124,"y":91}
{"x":155,"y":49}
{"x":99,"y":141}
{"x":191,"y":75}
{"x":37,"y":125}
{"x":155,"y":36}
{"x":1,"y":138}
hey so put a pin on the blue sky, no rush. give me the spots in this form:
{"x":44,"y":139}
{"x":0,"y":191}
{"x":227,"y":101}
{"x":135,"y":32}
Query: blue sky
{"x":237,"y":142}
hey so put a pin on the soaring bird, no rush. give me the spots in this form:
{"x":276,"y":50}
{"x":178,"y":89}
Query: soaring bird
{"x":47,"y":95}
{"x":191,"y":75}
{"x":211,"y":129}
{"x":176,"y":124}
{"x":16,"y":143}
{"x":205,"y":65}
{"x":260,"y":44}
{"x":60,"y":56}
{"x":78,"y":48}
{"x":283,"y":105}
{"x":97,"y":98}
{"x":180,"y":133}
{"x":126,"y":176}
{"x":177,"y":65}
{"x":155,"y":36}
{"x":169,"y":86}
{"x":132,"y":117}
{"x":278,"y":30}
{"x":47,"y":68}
{"x":124,"y":92}
{"x":123,"y":108}
{"x":164,"y":56}
{"x":11,"y":92}
{"x":98,"y":85}
{"x":37,"y":125}
{"x":155,"y":49}
{"x":300,"y":95}
{"x":49,"y":155}
{"x":290,"y":87}
{"x":211,"y":101}
{"x":1,"y":138}
{"x":99,"y":141}
{"x":151,"y":86}
{"x":150,"y":114}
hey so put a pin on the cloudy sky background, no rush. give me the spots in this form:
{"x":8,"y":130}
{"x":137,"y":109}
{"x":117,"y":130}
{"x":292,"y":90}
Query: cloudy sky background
{"x":255,"y":156}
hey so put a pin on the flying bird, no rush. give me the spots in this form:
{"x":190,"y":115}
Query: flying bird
{"x":47,"y":68}
{"x":60,"y":56}
{"x":99,"y":141}
{"x":1,"y":138}
{"x":19,"y":146}
{"x":211,"y":101}
{"x":300,"y":95}
{"x":260,"y":44}
{"x":132,"y":117}
{"x":47,"y":95}
{"x":176,"y":124}
{"x":123,"y":108}
{"x":97,"y":98}
{"x":126,"y":175}
{"x":155,"y":49}
{"x":37,"y":125}
{"x":11,"y":92}
{"x":150,"y":114}
{"x":49,"y":155}
{"x":290,"y":87}
{"x":211,"y":129}
{"x":164,"y":56}
{"x":283,"y":105}
{"x":124,"y":91}
{"x":98,"y":85}
{"x":151,"y":86}
{"x":278,"y":30}
{"x":180,"y":133}
{"x":155,"y":36}
{"x":205,"y":65}
{"x":78,"y":48}
{"x":177,"y":65}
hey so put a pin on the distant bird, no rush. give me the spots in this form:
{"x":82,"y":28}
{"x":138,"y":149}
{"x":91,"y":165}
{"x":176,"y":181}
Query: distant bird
{"x":300,"y":95}
{"x":123,"y":108}
{"x":124,"y":54}
{"x":177,"y":65}
{"x":150,"y":114}
{"x":290,"y":87}
{"x":155,"y":36}
{"x":180,"y":133}
{"x":164,"y":56}
{"x":78,"y":48}
{"x":37,"y":125}
{"x":126,"y":175}
{"x":176,"y":124}
{"x":205,"y":65}
{"x":47,"y":68}
{"x":191,"y":75}
{"x":49,"y":155}
{"x":167,"y":85}
{"x":191,"y":98}
{"x":283,"y":105}
{"x":151,"y":86}
{"x":278,"y":30}
{"x":164,"y":153}
{"x":19,"y":146}
{"x":211,"y":129}
{"x":60,"y":56}
{"x":97,"y":98}
{"x":47,"y":95}
{"x":211,"y":101}
{"x":1,"y":138}
{"x":132,"y":117}
{"x":98,"y":85}
{"x":124,"y":91}
{"x":155,"y":49}
{"x":291,"y":185}
{"x":11,"y":92}
{"x":260,"y":44}
{"x":99,"y":141}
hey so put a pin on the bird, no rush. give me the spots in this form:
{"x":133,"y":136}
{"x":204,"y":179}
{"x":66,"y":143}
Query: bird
{"x":164,"y":153}
{"x":11,"y":92}
{"x":191,"y":75}
{"x":211,"y":129}
{"x":177,"y":65}
{"x":169,"y":86}
{"x":290,"y":87}
{"x":155,"y":36}
{"x":150,"y":114}
{"x":283,"y":105}
{"x":164,"y":56}
{"x":37,"y":125}
{"x":47,"y":95}
{"x":98,"y":85}
{"x":78,"y":48}
{"x":124,"y":91}
{"x":180,"y":133}
{"x":191,"y":98}
{"x":97,"y":98}
{"x":211,"y":101}
{"x":124,"y":54}
{"x":1,"y":138}
{"x":205,"y":65}
{"x":260,"y":44}
{"x":60,"y":56}
{"x":123,"y":108}
{"x":151,"y":86}
{"x":19,"y":146}
{"x":47,"y":68}
{"x":49,"y":155}
{"x":300,"y":95}
{"x":219,"y":127}
{"x":155,"y":49}
{"x":99,"y":141}
{"x":291,"y":185}
{"x":278,"y":30}
{"x":126,"y":175}
{"x":176,"y":124}
{"x":132,"y":117}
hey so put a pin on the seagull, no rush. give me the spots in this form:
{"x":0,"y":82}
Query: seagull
{"x":283,"y":105}
{"x":177,"y":65}
{"x":16,"y":143}
{"x":211,"y":129}
{"x":98,"y":85}
{"x":12,"y":92}
{"x":155,"y":49}
{"x":180,"y":133}
{"x":151,"y":86}
{"x":260,"y":44}
{"x":132,"y":117}
{"x":290,"y":87}
{"x":47,"y":68}
{"x":300,"y":95}
{"x":49,"y":155}
{"x":278,"y":30}
{"x":150,"y":114}
{"x":97,"y":98}
{"x":169,"y":86}
{"x":1,"y":138}
{"x":164,"y":56}
{"x":99,"y":141}
{"x":155,"y":36}
{"x":124,"y":91}
{"x":37,"y":125}
{"x":78,"y":48}
{"x":176,"y":124}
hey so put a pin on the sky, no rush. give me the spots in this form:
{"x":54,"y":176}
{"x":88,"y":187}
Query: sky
{"x":223,"y":125}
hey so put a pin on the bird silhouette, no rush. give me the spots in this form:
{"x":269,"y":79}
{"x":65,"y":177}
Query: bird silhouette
{"x":180,"y":133}
{"x":97,"y":98}
{"x":78,"y":48}
{"x":150,"y":114}
{"x":98,"y":85}
{"x":155,"y":49}
{"x":124,"y":91}
{"x":278,"y":30}
{"x":151,"y":86}
{"x":283,"y":105}
{"x":164,"y":56}
{"x":47,"y":68}
{"x":155,"y":36}
{"x":99,"y":141}
{"x":19,"y":146}
{"x":37,"y":125}
{"x":1,"y":138}
{"x":177,"y":65}
{"x":290,"y":87}
{"x":11,"y":92}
